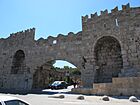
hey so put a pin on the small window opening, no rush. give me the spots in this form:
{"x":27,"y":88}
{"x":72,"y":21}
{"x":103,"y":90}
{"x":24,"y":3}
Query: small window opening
{"x":104,"y":25}
{"x":55,"y":42}
{"x":116,"y":21}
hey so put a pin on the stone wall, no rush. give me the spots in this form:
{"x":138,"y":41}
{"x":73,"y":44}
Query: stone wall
{"x":45,"y":75}
{"x":108,"y":46}
{"x":21,"y":55}
{"x":120,"y":86}
{"x":111,"y":44}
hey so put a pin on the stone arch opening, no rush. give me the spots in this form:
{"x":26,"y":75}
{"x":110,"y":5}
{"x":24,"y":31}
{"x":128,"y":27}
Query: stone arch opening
{"x":71,"y":73}
{"x":18,"y":63}
{"x":108,"y":59}
{"x":50,"y":72}
{"x":41,"y":75}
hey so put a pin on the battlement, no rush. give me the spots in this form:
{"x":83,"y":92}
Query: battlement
{"x":25,"y":37}
{"x":29,"y":33}
{"x":125,"y":8}
{"x":60,"y":39}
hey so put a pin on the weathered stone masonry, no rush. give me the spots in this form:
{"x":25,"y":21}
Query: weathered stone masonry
{"x":111,"y":43}
{"x":21,"y":55}
{"x":108,"y":46}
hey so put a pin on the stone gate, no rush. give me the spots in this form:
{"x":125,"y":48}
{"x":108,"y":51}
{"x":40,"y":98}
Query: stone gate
{"x":108,"y":46}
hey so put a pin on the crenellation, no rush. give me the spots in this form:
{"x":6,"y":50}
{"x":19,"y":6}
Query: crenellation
{"x":28,"y":34}
{"x":85,"y":18}
{"x":50,"y":40}
{"x":126,"y":7}
{"x":41,"y":41}
{"x":2,"y":39}
{"x":115,"y":14}
{"x":58,"y":40}
{"x":70,"y":34}
{"x":94,"y":15}
{"x":105,"y":12}
{"x":114,"y":10}
{"x":61,"y":35}
{"x":79,"y":33}
{"x":61,"y":38}
{"x":70,"y":37}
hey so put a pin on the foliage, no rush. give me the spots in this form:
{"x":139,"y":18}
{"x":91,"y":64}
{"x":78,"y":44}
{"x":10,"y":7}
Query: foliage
{"x":75,"y":72}
{"x":72,"y":71}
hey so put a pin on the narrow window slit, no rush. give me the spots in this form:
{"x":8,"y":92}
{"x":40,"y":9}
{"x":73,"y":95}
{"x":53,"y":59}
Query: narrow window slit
{"x":116,"y":21}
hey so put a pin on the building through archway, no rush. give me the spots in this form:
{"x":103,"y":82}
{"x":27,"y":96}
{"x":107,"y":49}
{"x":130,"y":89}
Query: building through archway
{"x":49,"y":72}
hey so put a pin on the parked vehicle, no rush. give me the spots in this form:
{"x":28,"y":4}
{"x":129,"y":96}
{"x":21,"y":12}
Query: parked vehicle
{"x":9,"y":100}
{"x":59,"y":85}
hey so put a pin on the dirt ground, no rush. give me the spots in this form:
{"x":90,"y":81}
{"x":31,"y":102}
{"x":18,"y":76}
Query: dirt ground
{"x":71,"y":99}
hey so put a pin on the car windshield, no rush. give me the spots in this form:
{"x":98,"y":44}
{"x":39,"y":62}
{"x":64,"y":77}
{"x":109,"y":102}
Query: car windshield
{"x":15,"y":102}
{"x":56,"y":83}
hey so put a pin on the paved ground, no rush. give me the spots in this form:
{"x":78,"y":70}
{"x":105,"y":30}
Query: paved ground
{"x":70,"y":99}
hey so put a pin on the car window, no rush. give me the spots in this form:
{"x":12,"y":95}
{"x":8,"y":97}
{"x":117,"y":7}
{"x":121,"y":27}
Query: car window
{"x":56,"y":83}
{"x":15,"y":102}
{"x":63,"y":83}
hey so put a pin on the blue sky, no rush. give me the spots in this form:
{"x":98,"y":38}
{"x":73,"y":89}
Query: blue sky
{"x":61,"y":64}
{"x":51,"y":17}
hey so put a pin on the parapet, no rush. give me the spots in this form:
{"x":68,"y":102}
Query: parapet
{"x":94,"y":15}
{"x":114,"y":10}
{"x":126,"y":7}
{"x":29,"y":33}
{"x":105,"y":13}
{"x":60,"y":39}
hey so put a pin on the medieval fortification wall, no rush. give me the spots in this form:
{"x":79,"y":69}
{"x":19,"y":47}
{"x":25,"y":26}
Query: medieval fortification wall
{"x":108,"y":46}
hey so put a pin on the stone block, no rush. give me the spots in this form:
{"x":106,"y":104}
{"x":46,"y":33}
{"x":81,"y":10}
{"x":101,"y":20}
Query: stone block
{"x":133,"y":99}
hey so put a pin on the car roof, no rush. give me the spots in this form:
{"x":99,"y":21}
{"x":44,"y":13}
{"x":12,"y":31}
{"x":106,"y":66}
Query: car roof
{"x":7,"y":98}
{"x":59,"y":81}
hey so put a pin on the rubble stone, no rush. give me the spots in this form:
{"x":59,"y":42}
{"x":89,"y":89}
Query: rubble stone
{"x":133,"y":99}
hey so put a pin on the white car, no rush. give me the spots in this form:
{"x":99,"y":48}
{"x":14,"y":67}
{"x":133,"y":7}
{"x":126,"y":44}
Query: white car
{"x":9,"y":100}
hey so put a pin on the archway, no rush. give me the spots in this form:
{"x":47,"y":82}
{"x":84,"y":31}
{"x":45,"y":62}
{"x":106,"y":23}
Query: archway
{"x":52,"y":71}
{"x":108,"y":59}
{"x":18,"y":63}
{"x":71,"y":73}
